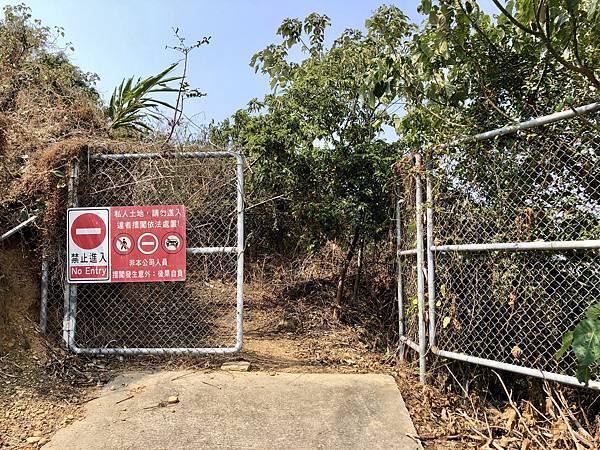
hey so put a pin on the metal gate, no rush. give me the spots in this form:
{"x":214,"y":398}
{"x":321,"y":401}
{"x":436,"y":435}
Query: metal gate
{"x":498,"y":241}
{"x":204,"y":313}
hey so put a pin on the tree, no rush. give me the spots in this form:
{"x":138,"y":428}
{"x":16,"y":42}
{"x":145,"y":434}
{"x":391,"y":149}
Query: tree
{"x":314,"y":140}
{"x":464,"y":71}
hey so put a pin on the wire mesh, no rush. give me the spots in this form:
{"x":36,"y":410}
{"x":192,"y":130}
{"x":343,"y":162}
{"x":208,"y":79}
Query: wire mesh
{"x":198,"y":313}
{"x":542,"y":184}
{"x":408,"y":262}
{"x":410,"y":300}
{"x":533,"y":185}
{"x":514,"y":307}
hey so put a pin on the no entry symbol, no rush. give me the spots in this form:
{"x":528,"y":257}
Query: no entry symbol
{"x":88,"y":252}
{"x":147,"y":243}
{"x":88,"y":231}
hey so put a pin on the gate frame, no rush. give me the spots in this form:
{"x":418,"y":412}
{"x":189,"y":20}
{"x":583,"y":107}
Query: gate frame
{"x":429,"y":344}
{"x":70,"y":290}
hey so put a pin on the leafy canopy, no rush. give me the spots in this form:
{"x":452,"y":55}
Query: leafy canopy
{"x":315,"y":139}
{"x":585,"y":341}
{"x":465,"y":71}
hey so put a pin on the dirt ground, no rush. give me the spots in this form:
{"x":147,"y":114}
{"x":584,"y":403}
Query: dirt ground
{"x":41,"y":393}
{"x":44,"y":388}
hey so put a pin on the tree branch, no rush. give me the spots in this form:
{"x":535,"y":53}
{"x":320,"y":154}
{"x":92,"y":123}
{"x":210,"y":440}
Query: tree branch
{"x":575,"y":42}
{"x":477,"y":27}
{"x":582,"y":70}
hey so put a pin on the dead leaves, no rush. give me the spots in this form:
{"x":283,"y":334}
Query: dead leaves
{"x":444,"y":420}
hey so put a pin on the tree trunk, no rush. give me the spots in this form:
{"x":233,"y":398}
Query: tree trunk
{"x":342,"y":276}
{"x":359,"y":264}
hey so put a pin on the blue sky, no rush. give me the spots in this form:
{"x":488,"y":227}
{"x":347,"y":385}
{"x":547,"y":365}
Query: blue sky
{"x":117,"y":39}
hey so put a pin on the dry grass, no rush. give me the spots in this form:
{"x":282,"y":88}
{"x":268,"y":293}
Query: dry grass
{"x":290,"y":327}
{"x":446,"y":420}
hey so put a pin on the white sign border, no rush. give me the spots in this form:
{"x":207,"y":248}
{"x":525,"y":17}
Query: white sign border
{"x":68,"y":265}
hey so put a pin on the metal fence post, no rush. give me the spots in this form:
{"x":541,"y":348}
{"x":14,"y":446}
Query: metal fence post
{"x":420,"y":270}
{"x":44,"y":296}
{"x":430,"y":259}
{"x":70,"y":298}
{"x":399,"y":286}
{"x":240,"y":252}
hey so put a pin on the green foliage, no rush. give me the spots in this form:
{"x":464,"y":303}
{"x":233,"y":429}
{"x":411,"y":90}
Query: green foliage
{"x":593,"y":311}
{"x":585,"y":342}
{"x":319,"y":171}
{"x":460,"y":72}
{"x":464,"y":71}
{"x":131,"y":103}
{"x":314,"y":141}
{"x":30,"y":64}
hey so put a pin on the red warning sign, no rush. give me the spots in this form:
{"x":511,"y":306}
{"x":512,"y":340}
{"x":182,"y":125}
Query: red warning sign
{"x":127,"y":244}
{"x":137,"y":253}
{"x":88,"y":252}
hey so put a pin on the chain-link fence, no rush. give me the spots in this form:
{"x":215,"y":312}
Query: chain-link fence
{"x":511,"y":235}
{"x":202,"y":314}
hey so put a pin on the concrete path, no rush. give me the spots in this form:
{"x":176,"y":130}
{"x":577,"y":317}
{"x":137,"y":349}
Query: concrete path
{"x":243,"y":411}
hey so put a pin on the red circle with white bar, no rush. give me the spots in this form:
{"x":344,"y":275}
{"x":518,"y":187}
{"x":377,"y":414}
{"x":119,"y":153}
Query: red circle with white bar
{"x":147,"y":243}
{"x":88,"y":231}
